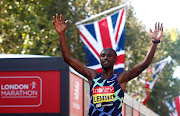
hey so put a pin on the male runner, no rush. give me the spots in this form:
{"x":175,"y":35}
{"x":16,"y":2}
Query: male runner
{"x":106,"y":88}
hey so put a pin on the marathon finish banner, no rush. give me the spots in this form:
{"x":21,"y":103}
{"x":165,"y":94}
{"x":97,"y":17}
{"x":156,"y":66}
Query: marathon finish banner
{"x":20,"y":91}
{"x":30,"y":92}
{"x":34,"y":86}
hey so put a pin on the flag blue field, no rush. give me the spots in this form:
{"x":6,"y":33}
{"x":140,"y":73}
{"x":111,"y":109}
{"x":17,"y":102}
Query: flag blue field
{"x":106,"y":32}
{"x":155,"y":72}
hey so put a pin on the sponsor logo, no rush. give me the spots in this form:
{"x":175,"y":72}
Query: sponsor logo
{"x":102,"y":90}
{"x":98,"y":105}
{"x":103,"y":94}
{"x":21,"y":91}
{"x":110,"y":81}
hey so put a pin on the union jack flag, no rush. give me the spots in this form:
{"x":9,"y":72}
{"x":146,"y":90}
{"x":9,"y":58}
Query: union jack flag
{"x":173,"y":106}
{"x":106,"y":32}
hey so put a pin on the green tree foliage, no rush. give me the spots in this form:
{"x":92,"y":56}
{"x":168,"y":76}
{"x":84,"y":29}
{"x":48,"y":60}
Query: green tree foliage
{"x":167,"y":87}
{"x":174,"y":45}
{"x":25,"y":28}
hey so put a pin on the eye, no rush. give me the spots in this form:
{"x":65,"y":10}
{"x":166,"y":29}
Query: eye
{"x":102,"y":55}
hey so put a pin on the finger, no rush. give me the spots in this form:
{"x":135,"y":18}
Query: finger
{"x":57,"y":16}
{"x":66,"y":22}
{"x":54,"y":20}
{"x":155,"y":25}
{"x":150,"y":30}
{"x":158,"y":26}
{"x":162,"y":27}
{"x":61,"y":17}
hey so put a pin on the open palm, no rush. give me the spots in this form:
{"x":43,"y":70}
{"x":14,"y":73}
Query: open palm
{"x":156,"y":35}
{"x":59,"y":25}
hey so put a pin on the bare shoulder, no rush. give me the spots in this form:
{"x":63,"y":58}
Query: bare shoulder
{"x":122,"y":76}
{"x":92,"y":75}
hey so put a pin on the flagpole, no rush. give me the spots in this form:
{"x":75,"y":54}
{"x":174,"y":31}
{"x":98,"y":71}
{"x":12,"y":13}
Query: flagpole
{"x":164,"y":60}
{"x":100,"y":14}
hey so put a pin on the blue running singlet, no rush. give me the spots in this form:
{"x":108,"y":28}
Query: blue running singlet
{"x":106,"y":97}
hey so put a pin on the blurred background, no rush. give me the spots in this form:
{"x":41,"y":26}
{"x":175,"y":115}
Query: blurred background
{"x":26,"y":28}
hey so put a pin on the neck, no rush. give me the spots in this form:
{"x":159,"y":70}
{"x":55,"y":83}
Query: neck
{"x":106,"y":74}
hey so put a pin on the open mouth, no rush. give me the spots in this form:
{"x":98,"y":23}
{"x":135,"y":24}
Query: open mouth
{"x":105,"y":62}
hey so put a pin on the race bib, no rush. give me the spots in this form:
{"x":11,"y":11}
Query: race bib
{"x":103,"y":94}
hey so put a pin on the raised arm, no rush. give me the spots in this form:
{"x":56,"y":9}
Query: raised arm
{"x":137,"y":69}
{"x":60,"y":27}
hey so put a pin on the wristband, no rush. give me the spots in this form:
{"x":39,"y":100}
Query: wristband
{"x":156,"y":42}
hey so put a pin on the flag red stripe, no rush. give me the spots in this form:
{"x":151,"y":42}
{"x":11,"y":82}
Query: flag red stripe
{"x":146,"y":99}
{"x":177,"y":102}
{"x":120,"y":59}
{"x":119,"y":25}
{"x":99,"y":70}
{"x":89,"y":44}
{"x":104,"y":31}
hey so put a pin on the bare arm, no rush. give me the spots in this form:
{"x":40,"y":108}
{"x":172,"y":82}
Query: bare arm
{"x":74,"y":63}
{"x":137,"y":69}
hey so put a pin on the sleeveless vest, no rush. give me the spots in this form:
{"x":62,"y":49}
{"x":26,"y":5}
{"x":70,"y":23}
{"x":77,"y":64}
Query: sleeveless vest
{"x":106,"y":97}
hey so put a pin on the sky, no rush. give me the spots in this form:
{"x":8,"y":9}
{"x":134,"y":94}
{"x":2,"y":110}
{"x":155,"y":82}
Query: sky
{"x":177,"y":72}
{"x":151,"y":11}
{"x":164,"y":11}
